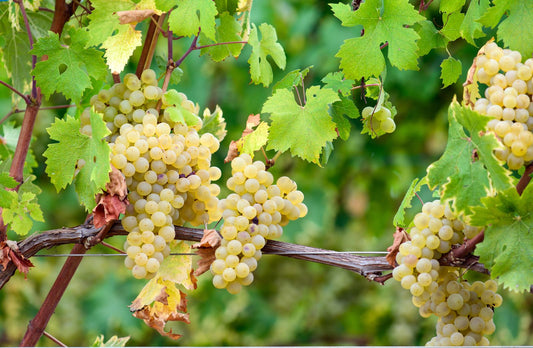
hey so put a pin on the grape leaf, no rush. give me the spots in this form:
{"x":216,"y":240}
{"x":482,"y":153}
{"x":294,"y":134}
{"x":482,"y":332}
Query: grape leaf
{"x":292,"y":79}
{"x":302,"y":129}
{"x":451,"y":70}
{"x":255,"y":140}
{"x":430,"y":37}
{"x":103,"y":21}
{"x":467,"y":165}
{"x":337,"y":82}
{"x":160,"y":300}
{"x":114,"y":341}
{"x":176,"y":112}
{"x":399,"y":218}
{"x":470,"y":28}
{"x":451,"y":5}
{"x":260,"y":68}
{"x":17,"y":59}
{"x":120,"y":47}
{"x":339,"y":111}
{"x":324,"y":156}
{"x":227,"y":5}
{"x":20,"y":211}
{"x":7,"y":181}
{"x":214,"y":123}
{"x":452,"y":26}
{"x":506,"y":249}
{"x":62,"y":157}
{"x":227,"y":31}
{"x":383,"y":21}
{"x":67,"y":70}
{"x":190,"y":15}
{"x":514,"y":29}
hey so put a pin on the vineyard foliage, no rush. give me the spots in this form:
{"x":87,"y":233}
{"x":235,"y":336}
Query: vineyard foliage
{"x":361,"y":103}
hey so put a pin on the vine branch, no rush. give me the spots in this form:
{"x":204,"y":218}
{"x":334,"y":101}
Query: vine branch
{"x":16,"y":91}
{"x":370,"y":267}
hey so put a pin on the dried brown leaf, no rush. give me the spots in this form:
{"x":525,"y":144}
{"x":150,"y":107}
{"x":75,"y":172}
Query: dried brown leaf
{"x":117,"y":184}
{"x":206,"y":249}
{"x":253,"y":121}
{"x":158,"y":323}
{"x":400,"y":236}
{"x":108,"y":208}
{"x":133,"y":16}
{"x":9,"y":251}
{"x":210,"y":239}
{"x":233,"y":152}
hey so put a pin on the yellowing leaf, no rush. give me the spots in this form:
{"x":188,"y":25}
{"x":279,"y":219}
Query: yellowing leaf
{"x":178,"y":268}
{"x":120,"y":47}
{"x":255,"y":140}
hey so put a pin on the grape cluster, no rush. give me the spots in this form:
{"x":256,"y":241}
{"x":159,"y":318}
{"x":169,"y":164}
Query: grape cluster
{"x":255,"y":212}
{"x":167,"y":166}
{"x":465,"y":310}
{"x":508,"y":101}
{"x":380,"y":120}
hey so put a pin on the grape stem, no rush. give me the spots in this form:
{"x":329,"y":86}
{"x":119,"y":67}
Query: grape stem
{"x":16,"y":91}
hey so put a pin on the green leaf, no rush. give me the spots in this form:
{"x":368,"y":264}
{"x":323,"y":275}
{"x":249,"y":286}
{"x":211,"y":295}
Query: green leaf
{"x":452,"y":26}
{"x":337,"y":82}
{"x":114,"y":341}
{"x":103,"y":21}
{"x":260,"y":68}
{"x":227,"y":5}
{"x":176,"y":112}
{"x":190,"y":15}
{"x":464,"y":170}
{"x":449,"y":6}
{"x":430,"y":37}
{"x":471,"y":29}
{"x":451,"y":70}
{"x":304,"y":130}
{"x":7,"y":181}
{"x":214,"y":123}
{"x":17,"y":59}
{"x":19,"y":215}
{"x":292,"y":79}
{"x":507,"y":248}
{"x":228,"y":31}
{"x":399,"y":218}
{"x":383,"y":21}
{"x":255,"y":140}
{"x":324,"y":156}
{"x":68,"y":70}
{"x":62,"y":157}
{"x":339,"y":111}
{"x":514,"y":30}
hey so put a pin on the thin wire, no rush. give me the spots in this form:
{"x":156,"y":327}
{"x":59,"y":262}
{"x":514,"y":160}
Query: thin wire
{"x":266,"y":253}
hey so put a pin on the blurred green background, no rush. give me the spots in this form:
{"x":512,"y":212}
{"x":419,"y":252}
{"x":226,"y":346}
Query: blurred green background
{"x":351,"y":205}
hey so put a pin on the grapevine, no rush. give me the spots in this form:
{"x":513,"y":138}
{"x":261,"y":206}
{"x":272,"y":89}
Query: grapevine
{"x":146,"y":163}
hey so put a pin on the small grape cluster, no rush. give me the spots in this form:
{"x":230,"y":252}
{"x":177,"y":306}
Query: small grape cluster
{"x":167,"y":166}
{"x":255,"y":212}
{"x":508,"y":101}
{"x":465,"y":310}
{"x":379,"y":120}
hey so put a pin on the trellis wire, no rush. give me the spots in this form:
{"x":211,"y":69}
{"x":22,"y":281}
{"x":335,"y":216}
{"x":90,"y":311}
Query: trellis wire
{"x":195,"y":254}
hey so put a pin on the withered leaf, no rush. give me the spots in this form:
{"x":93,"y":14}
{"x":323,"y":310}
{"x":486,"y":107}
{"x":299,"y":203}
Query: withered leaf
{"x":158,"y":323}
{"x":117,"y":184}
{"x":400,"y":236}
{"x":206,"y":249}
{"x":233,"y":151}
{"x":108,"y":208}
{"x":133,"y":16}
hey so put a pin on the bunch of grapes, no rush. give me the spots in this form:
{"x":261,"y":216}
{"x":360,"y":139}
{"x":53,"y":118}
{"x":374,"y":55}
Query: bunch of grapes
{"x":379,"y":120}
{"x":464,"y":310}
{"x":508,"y":101}
{"x":167,"y":166}
{"x":255,"y":212}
